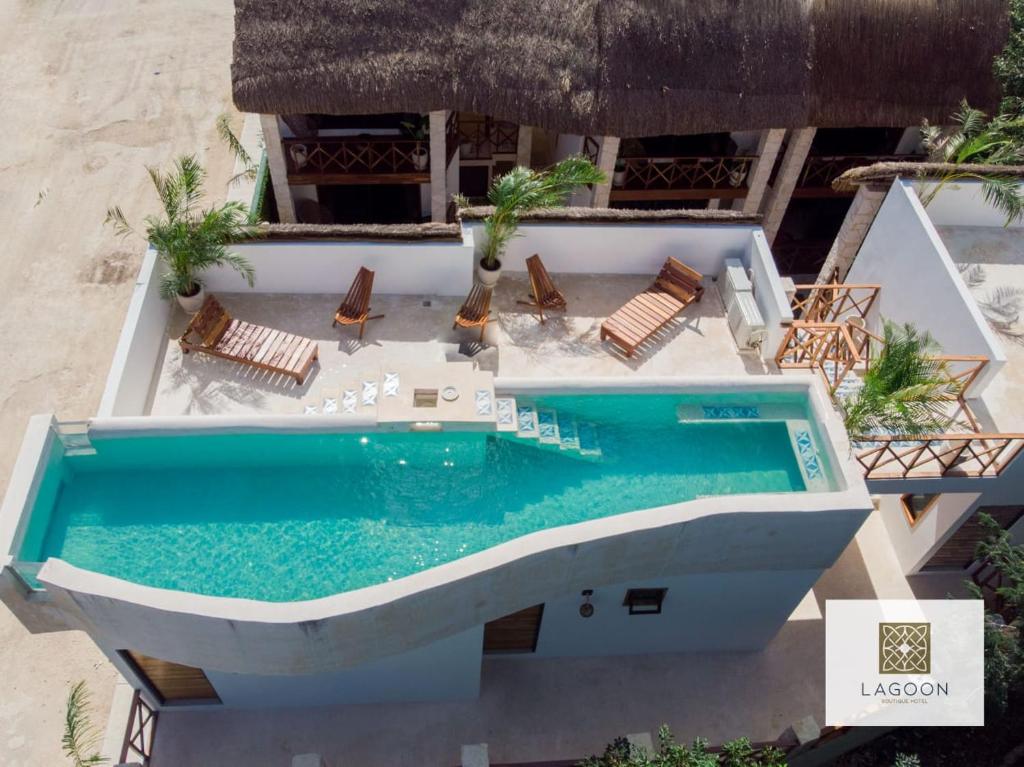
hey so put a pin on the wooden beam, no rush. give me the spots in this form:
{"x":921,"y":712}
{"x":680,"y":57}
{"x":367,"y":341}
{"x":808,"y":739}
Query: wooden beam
{"x":341,"y":179}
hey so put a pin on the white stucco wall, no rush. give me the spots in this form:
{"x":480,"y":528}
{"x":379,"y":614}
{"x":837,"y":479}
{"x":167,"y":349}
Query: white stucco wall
{"x":771,"y":298}
{"x":140,"y":345}
{"x":920,"y":283}
{"x":448,"y":669}
{"x":724,"y":611}
{"x":962,"y":204}
{"x":915,"y":545}
{"x":623,"y":248}
{"x":402,"y":268}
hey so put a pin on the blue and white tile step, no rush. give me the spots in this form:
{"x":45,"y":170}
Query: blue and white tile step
{"x":392,"y":382}
{"x":506,"y":409}
{"x":850,"y":385}
{"x":484,"y":402}
{"x":526,"y":426}
{"x":589,"y":445}
{"x":568,"y":438}
{"x":547,"y":427}
{"x":809,"y":459}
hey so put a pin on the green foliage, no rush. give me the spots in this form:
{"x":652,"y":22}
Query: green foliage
{"x":906,"y":760}
{"x":188,"y":239}
{"x":523,"y":189}
{"x":905,"y":388}
{"x":977,"y":139}
{"x":1004,"y":643}
{"x":735,"y":753}
{"x":1009,"y":65}
{"x":80,"y":736}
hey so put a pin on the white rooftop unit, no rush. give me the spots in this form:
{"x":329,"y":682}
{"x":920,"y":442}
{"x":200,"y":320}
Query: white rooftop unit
{"x":745,"y":321}
{"x":732,"y":280}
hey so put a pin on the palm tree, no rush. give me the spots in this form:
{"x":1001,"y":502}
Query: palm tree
{"x":906,"y":388}
{"x":80,"y":735}
{"x":523,"y":189}
{"x":188,"y":239}
{"x":979,"y":140}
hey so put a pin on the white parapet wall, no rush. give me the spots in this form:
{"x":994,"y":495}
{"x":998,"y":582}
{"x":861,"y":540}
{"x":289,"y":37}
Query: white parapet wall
{"x":961,"y":203}
{"x":425,"y":267}
{"x":920,"y":282}
{"x":140,"y":345}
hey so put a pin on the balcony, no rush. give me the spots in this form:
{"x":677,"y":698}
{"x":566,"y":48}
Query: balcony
{"x":357,"y":160}
{"x":682,"y":178}
{"x":481,"y":137}
{"x":820,"y":171}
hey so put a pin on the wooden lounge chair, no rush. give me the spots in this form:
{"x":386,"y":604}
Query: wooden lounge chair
{"x":213,"y":331}
{"x":545,"y":295}
{"x":475,"y":310}
{"x":355,"y":308}
{"x":676,"y":287}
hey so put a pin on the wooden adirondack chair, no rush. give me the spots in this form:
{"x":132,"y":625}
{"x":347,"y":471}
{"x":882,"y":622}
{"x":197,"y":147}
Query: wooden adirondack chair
{"x":475,"y":310}
{"x":213,"y":331}
{"x":676,"y":287}
{"x":545,"y":295}
{"x":355,"y":308}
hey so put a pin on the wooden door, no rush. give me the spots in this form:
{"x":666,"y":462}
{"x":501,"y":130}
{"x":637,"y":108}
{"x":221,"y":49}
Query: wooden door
{"x":172,"y":682}
{"x":957,"y":553}
{"x":515,"y":633}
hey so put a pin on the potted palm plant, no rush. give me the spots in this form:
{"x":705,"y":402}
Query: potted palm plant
{"x":421,"y":133}
{"x":190,"y":240}
{"x":906,"y":388}
{"x":521,"y":190}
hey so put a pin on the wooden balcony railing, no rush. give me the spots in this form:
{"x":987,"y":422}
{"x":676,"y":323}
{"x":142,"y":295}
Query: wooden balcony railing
{"x":651,"y":178}
{"x":820,"y":171}
{"x":482,"y":138}
{"x":357,"y":160}
{"x":833,"y":302}
{"x":138,"y":737}
{"x":938,"y":455}
{"x":827,"y":347}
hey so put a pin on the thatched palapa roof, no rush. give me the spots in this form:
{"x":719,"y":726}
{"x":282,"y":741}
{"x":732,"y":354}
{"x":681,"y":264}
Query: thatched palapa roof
{"x":885,"y":172}
{"x":623,"y":67}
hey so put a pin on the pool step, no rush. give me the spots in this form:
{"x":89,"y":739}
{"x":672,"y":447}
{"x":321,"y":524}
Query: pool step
{"x":548,"y":428}
{"x":808,"y":458}
{"x":74,"y":436}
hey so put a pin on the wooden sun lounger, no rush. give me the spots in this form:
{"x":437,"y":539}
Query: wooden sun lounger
{"x":676,"y":287}
{"x":355,"y":308}
{"x":213,"y":331}
{"x":475,"y":310}
{"x":545,"y":295}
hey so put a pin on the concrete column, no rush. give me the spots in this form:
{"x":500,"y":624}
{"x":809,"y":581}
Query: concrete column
{"x":524,"y":147}
{"x":778,"y":197}
{"x":768,"y":147}
{"x":278,"y":169}
{"x":854,"y":229}
{"x":607,"y":154}
{"x":438,"y":166}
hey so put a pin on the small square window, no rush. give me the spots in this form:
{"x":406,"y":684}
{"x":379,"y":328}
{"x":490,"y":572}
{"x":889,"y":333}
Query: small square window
{"x":916,"y":505}
{"x":644,"y":601}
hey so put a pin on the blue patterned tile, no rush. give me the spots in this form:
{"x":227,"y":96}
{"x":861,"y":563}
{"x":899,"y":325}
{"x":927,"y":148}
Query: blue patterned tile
{"x":731,"y":411}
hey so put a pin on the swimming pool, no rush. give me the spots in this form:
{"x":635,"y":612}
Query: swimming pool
{"x":292,"y":516}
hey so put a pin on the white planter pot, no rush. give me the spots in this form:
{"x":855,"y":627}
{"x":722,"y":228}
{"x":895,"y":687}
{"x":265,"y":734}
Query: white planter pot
{"x":487,"y":277}
{"x":619,"y":177}
{"x":420,"y":158}
{"x":192,"y":304}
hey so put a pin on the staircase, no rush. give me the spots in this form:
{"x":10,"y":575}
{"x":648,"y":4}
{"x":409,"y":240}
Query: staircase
{"x":557,"y":431}
{"x":74,"y":436}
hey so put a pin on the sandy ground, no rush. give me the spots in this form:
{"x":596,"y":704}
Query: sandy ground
{"x":91,"y":92}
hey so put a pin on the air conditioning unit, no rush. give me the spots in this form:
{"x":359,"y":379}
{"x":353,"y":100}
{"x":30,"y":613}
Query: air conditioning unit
{"x":745,"y":321}
{"x":732,"y":280}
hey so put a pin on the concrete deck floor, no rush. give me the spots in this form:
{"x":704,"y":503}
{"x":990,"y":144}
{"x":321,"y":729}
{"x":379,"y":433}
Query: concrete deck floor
{"x":93,"y":92}
{"x":697,"y":343}
{"x":992,"y":261}
{"x":532,"y":710}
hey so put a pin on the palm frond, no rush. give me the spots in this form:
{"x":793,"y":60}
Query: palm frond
{"x":235,"y":145}
{"x":116,"y":218}
{"x":80,"y":736}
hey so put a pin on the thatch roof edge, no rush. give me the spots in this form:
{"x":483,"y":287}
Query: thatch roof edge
{"x":355,"y":232}
{"x":579,"y":215}
{"x":885,"y":172}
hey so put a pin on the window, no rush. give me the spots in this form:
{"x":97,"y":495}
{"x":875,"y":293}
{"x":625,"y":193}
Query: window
{"x":644,"y":601}
{"x":171,"y":682}
{"x":916,"y":505}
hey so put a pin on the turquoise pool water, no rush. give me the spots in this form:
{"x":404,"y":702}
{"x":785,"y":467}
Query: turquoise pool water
{"x":285,"y":517}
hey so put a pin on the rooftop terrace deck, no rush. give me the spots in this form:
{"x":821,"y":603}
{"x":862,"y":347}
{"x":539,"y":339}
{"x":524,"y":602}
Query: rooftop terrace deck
{"x":418,"y":329}
{"x":991,"y":263}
